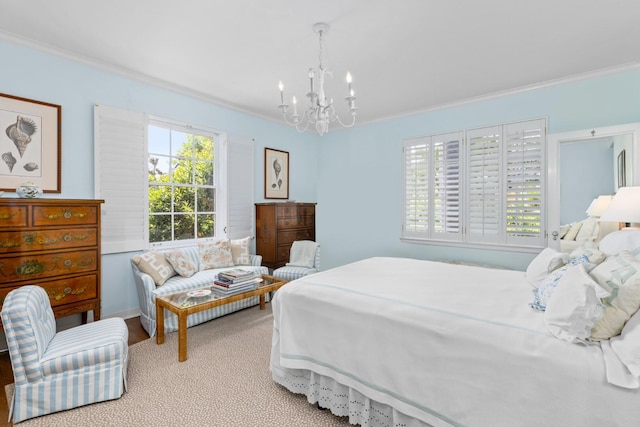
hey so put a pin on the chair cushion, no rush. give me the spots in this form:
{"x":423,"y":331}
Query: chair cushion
{"x":86,"y":345}
{"x":292,"y":272}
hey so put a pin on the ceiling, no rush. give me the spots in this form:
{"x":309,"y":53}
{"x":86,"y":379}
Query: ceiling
{"x":405,"y":56}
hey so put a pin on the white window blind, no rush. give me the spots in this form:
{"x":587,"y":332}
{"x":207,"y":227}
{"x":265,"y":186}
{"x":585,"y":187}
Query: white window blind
{"x":486,"y":188}
{"x":120,"y":177}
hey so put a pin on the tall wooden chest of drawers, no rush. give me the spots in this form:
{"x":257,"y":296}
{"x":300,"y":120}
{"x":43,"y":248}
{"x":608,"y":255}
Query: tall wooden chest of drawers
{"x":55,"y":244}
{"x":278,"y":225}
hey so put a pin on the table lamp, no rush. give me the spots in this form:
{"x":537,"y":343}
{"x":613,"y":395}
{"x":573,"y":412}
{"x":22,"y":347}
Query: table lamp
{"x":599,"y":205}
{"x":624,"y":207}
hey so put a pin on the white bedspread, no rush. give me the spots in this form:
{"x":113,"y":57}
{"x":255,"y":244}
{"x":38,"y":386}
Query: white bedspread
{"x":446,"y":344}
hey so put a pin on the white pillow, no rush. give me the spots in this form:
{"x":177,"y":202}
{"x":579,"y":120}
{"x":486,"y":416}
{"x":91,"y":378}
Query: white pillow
{"x":574,"y":307}
{"x":544,"y":263}
{"x":590,"y":253}
{"x":627,"y":345}
{"x":589,"y":230}
{"x":618,"y":241}
{"x":543,"y":293}
{"x":573,"y":231}
{"x":564,"y":229}
{"x":620,"y":275}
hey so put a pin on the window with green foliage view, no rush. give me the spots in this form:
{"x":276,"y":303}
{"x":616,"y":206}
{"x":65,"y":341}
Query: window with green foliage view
{"x":182,"y":188}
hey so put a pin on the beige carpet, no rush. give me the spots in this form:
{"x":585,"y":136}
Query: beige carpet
{"x":224,"y":382}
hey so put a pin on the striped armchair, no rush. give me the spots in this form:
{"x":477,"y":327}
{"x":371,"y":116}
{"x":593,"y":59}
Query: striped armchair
{"x":292,"y":272}
{"x":57,"y":371}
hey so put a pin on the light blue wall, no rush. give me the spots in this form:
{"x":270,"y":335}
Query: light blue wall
{"x":360,"y":185}
{"x":77,"y":87}
{"x":354,"y":174}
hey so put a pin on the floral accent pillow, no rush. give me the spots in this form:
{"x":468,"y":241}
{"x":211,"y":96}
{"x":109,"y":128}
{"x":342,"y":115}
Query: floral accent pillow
{"x":215,"y":254}
{"x":181,"y":262}
{"x":544,"y":263}
{"x":542,"y":295}
{"x":240,"y":251}
{"x":155,"y":265}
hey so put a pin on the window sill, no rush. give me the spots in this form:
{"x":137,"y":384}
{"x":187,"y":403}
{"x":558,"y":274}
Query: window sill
{"x":493,"y":247}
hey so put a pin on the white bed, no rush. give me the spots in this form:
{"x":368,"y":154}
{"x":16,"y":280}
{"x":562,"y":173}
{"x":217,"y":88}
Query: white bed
{"x":394,"y":341}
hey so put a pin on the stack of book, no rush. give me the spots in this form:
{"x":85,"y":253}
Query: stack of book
{"x":234,"y":281}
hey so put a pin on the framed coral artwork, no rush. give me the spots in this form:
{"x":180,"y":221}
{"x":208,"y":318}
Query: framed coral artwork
{"x":276,"y":174}
{"x":30,"y":143}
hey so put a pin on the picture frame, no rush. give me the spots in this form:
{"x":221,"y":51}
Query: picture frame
{"x":622,"y":169}
{"x":30,"y":143}
{"x":276,"y":174}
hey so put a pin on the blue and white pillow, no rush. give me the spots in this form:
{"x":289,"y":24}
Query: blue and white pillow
{"x":542,"y":295}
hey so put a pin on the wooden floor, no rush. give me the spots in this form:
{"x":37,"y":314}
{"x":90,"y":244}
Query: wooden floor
{"x":136,"y":334}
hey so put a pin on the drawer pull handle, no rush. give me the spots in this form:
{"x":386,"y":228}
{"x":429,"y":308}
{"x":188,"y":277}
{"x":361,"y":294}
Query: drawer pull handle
{"x":67,"y":214}
{"x":67,"y":290}
{"x":67,"y":238}
{"x":67,"y":263}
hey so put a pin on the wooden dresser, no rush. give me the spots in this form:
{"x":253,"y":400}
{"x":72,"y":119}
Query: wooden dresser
{"x":55,"y":244}
{"x":278,"y":225}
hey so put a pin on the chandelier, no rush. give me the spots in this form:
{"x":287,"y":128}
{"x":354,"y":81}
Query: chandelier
{"x":320,"y":111}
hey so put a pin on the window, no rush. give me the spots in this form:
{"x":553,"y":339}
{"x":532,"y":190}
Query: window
{"x":165,"y":182}
{"x":480,"y":187}
{"x":182,"y":184}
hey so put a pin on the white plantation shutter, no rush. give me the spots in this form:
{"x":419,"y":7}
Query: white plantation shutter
{"x":432,"y":187}
{"x":416,"y":182}
{"x":446,"y":171}
{"x":120,"y":177}
{"x":524,"y":181}
{"x":484,"y":191}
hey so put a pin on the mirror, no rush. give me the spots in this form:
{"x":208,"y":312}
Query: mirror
{"x":585,"y":164}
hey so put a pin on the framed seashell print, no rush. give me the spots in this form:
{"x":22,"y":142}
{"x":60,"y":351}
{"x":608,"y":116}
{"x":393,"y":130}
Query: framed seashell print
{"x":276,"y":174}
{"x":30,"y":143}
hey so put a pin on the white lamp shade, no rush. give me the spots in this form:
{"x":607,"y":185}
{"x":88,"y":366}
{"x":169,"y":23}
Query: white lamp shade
{"x":624,"y":207}
{"x":599,"y":205}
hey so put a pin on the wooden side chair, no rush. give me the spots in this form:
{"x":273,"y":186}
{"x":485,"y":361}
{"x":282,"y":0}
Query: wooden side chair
{"x":58,"y":371}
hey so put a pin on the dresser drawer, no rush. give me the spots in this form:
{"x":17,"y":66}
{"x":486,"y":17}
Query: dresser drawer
{"x":300,"y":221}
{"x":13,"y":269}
{"x":13,"y":216}
{"x":283,"y":253}
{"x":64,"y":215}
{"x":295,"y":210}
{"x":64,"y":291}
{"x":24,"y":241}
{"x":291,"y":236}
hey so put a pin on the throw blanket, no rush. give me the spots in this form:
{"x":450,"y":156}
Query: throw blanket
{"x":303,"y":253}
